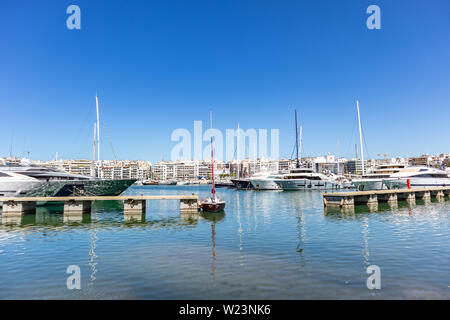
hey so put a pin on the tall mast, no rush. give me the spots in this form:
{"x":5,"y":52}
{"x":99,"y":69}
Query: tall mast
{"x":213,"y":190}
{"x":238,"y":163}
{"x":98,"y":129}
{"x":95,"y":137}
{"x":301,"y":144}
{"x":360,"y":138}
{"x":296,"y":138}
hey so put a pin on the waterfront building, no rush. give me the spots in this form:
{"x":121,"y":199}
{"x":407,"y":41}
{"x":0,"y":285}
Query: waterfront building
{"x":329,"y":164}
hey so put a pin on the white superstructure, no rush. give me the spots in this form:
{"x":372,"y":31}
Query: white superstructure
{"x":307,"y":179}
{"x":18,"y":185}
{"x":418,"y":177}
{"x":374,"y":179}
{"x":265,"y":181}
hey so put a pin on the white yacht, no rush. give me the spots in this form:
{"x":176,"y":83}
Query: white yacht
{"x":265,"y":181}
{"x":19,"y":185}
{"x":374,"y":179}
{"x":418,"y":177}
{"x":306,"y":179}
{"x":69,"y":183}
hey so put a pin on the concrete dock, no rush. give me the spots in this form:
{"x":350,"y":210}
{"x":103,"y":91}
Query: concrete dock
{"x":371,"y":198}
{"x":75,"y":207}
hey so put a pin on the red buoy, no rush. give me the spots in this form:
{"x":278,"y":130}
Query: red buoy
{"x":408,"y":183}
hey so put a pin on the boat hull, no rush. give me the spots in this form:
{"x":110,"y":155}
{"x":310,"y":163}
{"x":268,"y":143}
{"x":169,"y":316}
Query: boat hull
{"x":30,"y":188}
{"x":416,"y":183}
{"x":95,"y":187}
{"x":305,"y":184}
{"x":264,"y":184}
{"x":212,"y":206}
{"x":369,"y":184}
{"x":242,"y":184}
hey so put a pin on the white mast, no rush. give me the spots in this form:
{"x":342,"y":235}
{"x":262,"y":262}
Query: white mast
{"x":238,"y":163}
{"x":98,"y":130}
{"x":300,"y":143}
{"x":94,"y":144}
{"x":360,"y":137}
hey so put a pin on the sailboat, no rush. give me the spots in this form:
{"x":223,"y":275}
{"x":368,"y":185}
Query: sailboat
{"x":302,"y":178}
{"x":238,"y":182}
{"x":212,"y":204}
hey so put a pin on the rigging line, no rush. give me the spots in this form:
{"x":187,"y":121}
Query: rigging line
{"x":352,"y":136}
{"x":365,"y":145}
{"x":108,"y":136}
{"x":81,"y":128}
{"x":292,"y":153}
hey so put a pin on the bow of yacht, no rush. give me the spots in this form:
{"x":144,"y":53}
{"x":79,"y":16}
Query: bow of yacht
{"x":45,"y":181}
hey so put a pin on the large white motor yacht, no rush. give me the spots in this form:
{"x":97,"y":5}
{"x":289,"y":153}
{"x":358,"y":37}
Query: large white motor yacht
{"x":19,"y":185}
{"x":71,"y":184}
{"x":374,"y":179}
{"x":265,"y":181}
{"x":418,"y":177}
{"x":306,"y":179}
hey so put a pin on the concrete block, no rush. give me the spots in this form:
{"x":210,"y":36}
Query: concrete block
{"x":188,"y":206}
{"x":18,"y":208}
{"x":134,"y":206}
{"x":74,"y":207}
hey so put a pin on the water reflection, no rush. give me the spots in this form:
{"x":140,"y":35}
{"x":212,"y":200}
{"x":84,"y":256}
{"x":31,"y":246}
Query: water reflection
{"x":92,"y":256}
{"x":268,"y":244}
{"x":213,"y":218}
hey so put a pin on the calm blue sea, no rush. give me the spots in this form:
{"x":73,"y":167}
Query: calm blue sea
{"x":267,"y":245}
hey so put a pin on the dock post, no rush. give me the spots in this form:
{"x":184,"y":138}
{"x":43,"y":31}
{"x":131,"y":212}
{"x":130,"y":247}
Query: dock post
{"x":426,"y":195}
{"x":373,"y":206}
{"x":134,"y":210}
{"x":188,"y":206}
{"x":372,"y":200}
{"x":446,"y":192}
{"x":391,"y":199}
{"x":411,"y":197}
{"x":74,"y":210}
{"x":18,"y":208}
{"x":13,"y":211}
{"x":440,"y":194}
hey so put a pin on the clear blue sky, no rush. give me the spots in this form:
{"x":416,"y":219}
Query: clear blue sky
{"x":160,"y":65}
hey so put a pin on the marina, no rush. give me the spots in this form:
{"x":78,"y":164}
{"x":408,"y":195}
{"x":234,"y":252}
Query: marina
{"x":281,"y":246}
{"x":325,"y":174}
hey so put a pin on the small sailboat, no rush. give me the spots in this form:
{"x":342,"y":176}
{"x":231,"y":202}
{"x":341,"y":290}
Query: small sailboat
{"x":212,"y":204}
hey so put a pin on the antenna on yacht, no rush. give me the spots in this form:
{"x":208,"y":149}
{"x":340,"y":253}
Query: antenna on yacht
{"x":98,"y":129}
{"x":296,"y":138}
{"x":360,"y":137}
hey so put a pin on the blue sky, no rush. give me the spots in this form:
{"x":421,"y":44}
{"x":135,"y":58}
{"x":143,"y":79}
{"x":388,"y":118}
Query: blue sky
{"x":160,"y":65}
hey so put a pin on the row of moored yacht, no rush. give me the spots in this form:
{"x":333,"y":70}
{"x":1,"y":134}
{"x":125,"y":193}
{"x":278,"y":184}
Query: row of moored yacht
{"x":389,"y":176}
